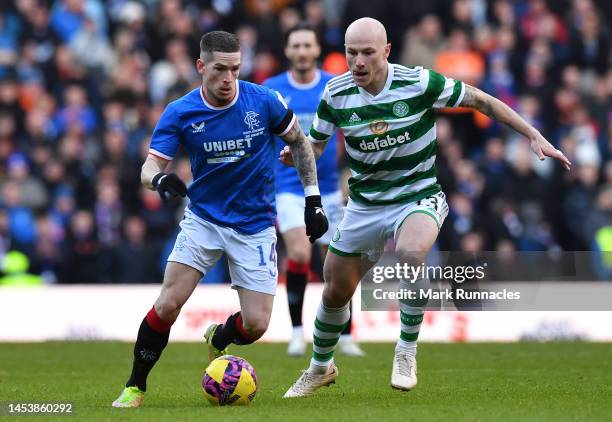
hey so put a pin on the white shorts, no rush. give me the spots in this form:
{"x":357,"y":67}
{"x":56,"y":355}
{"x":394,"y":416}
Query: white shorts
{"x":290,"y":209}
{"x":365,"y":229}
{"x":251,"y":258}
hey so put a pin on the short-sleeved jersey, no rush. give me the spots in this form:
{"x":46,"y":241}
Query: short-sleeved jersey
{"x":390,"y":137}
{"x":303,"y":100}
{"x":231,"y":149}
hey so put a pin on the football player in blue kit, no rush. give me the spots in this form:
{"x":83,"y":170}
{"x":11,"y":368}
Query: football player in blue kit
{"x":302,"y":86}
{"x":227,"y":127}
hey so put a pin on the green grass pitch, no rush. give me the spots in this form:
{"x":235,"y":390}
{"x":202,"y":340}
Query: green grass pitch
{"x":524,"y":381}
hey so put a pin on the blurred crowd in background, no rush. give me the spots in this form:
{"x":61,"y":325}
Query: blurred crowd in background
{"x":83,"y":82}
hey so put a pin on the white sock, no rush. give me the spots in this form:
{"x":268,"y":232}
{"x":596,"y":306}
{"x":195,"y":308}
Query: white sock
{"x":317,"y":367}
{"x":406,"y":346}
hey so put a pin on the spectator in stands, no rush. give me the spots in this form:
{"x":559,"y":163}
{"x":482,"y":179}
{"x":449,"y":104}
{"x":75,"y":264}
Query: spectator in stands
{"x":21,"y":218}
{"x":423,"y":43}
{"x":32,"y":191}
{"x":81,"y":248}
{"x":579,"y":202}
{"x":47,"y":257}
{"x":459,"y":61}
{"x":91,"y":48}
{"x":590,"y":46}
{"x":135,"y":255}
{"x":68,"y":17}
{"x":9,"y":45}
{"x":9,"y":104}
{"x":76,"y":110}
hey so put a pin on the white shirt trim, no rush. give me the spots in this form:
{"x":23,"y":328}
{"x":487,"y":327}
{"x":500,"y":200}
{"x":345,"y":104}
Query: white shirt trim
{"x":212,"y":107}
{"x":160,"y":154}
{"x":461,"y":95}
{"x":299,"y":85}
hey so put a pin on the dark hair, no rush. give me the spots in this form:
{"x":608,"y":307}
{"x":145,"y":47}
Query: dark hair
{"x":302,"y":26}
{"x":221,"y":41}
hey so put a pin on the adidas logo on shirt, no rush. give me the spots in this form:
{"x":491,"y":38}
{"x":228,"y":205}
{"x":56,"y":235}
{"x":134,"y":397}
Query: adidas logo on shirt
{"x":354,"y":118}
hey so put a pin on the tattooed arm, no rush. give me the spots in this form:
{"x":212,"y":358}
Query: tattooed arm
{"x":499,"y":111}
{"x":286,"y":158}
{"x":304,"y":161}
{"x":302,"y":155}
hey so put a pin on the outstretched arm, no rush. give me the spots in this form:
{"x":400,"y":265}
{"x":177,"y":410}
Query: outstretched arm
{"x":302,"y":155}
{"x":497,"y":110}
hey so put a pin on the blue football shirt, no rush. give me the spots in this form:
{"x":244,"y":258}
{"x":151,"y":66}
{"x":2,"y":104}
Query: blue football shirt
{"x":304,"y":100}
{"x":232,"y":153}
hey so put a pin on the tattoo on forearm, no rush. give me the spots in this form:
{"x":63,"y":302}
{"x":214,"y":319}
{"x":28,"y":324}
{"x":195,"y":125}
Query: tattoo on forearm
{"x":477,"y":99}
{"x":487,"y":108}
{"x":304,"y":160}
{"x":303,"y":156}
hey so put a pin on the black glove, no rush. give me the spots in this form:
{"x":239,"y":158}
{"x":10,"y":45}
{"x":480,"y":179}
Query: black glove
{"x":170,"y":183}
{"x":314,"y":217}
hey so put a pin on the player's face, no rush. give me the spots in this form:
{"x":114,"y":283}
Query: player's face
{"x":302,"y":50}
{"x":219,"y":74}
{"x":367,"y":59}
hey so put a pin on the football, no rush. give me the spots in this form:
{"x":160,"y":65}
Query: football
{"x":229,"y":381}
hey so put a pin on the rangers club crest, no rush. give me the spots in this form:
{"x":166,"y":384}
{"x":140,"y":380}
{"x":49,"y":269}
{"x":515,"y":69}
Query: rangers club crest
{"x":250,"y":119}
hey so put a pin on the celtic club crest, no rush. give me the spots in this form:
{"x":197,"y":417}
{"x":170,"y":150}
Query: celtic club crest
{"x":400,"y":109}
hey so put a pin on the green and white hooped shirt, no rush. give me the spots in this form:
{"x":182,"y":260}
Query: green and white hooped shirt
{"x":390,"y":138}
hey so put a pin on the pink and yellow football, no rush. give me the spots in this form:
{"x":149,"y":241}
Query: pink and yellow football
{"x":229,"y":381}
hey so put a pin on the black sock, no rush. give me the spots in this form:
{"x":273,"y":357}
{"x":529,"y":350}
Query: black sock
{"x":347,"y":327}
{"x":296,"y":286}
{"x":147,"y":350}
{"x":231,"y":332}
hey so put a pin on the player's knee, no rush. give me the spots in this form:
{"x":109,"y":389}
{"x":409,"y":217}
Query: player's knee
{"x":299,"y":254}
{"x":410,"y":255}
{"x":167,"y":309}
{"x":255,"y":327}
{"x":334,"y":297}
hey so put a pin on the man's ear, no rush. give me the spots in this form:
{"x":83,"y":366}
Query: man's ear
{"x":200,"y":66}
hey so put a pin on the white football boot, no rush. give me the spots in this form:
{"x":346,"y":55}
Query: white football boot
{"x":308,"y":382}
{"x":404,"y":372}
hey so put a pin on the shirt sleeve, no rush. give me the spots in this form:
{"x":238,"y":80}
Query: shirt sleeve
{"x":166,"y":135}
{"x":440,"y":91}
{"x":282,"y":117}
{"x":323,"y":125}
